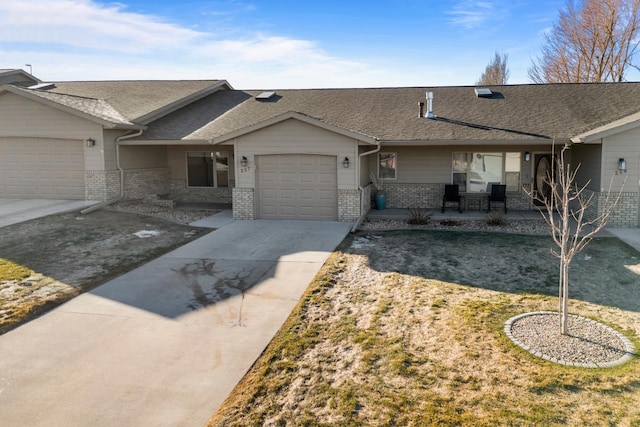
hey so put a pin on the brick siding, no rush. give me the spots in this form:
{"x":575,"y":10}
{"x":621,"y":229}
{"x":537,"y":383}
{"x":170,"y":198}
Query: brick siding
{"x":429,"y":196}
{"x":243,"y":203}
{"x":101,"y":185}
{"x":348,"y":205}
{"x":625,"y":214}
{"x":180,"y":192}
{"x":141,"y":183}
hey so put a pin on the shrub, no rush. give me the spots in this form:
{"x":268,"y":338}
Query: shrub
{"x":496,"y":218}
{"x":418,"y":217}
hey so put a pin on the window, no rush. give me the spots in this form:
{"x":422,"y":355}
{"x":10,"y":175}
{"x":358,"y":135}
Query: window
{"x":460,"y":167}
{"x":512,"y":171}
{"x":387,"y":165}
{"x":208,"y":169}
{"x":475,"y":172}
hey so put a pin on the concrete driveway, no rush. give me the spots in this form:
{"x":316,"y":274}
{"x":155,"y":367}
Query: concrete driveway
{"x":13,"y":211}
{"x":164,"y":344}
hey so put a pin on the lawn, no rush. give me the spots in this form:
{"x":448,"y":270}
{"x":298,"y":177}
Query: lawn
{"x":406,"y":328}
{"x":47,"y":261}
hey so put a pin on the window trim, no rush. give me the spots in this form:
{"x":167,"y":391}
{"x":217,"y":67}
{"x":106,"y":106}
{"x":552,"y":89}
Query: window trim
{"x":395,"y":154}
{"x":214,"y":169}
{"x":503,"y":180}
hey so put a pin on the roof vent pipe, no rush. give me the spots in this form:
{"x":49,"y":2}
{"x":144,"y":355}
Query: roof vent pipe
{"x":430,"y":114}
{"x":421,"y":107}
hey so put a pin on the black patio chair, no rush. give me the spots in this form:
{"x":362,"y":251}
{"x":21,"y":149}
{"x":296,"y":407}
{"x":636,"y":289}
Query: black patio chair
{"x":451,"y":194}
{"x":498,"y":193}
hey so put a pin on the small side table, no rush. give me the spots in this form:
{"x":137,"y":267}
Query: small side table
{"x":479,"y":197}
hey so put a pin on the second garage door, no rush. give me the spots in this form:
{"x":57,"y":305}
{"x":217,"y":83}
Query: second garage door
{"x":41,"y":168}
{"x":297,"y":186}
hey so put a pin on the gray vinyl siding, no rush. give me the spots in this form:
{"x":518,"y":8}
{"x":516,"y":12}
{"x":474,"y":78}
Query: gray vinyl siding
{"x":21,"y":117}
{"x":143,"y":156}
{"x":589,"y":157}
{"x":624,"y":145}
{"x":432,"y":165}
{"x":110,"y":147}
{"x":296,"y":137}
{"x":365,"y":164}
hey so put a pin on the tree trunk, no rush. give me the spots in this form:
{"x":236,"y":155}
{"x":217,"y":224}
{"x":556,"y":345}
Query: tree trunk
{"x":565,"y":298}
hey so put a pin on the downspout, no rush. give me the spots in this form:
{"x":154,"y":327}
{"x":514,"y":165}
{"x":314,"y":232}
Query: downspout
{"x":118,"y":139}
{"x":362,"y":212}
{"x":115,"y":199}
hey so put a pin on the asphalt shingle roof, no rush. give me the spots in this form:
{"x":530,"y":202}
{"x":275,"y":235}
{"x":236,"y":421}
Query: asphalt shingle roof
{"x":134,"y":98}
{"x":515,"y":112}
{"x":94,"y":107}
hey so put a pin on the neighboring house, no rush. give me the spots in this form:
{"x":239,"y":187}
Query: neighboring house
{"x":18,"y":78}
{"x":307,"y":154}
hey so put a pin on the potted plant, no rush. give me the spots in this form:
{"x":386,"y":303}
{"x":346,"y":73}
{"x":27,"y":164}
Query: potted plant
{"x":380,"y":198}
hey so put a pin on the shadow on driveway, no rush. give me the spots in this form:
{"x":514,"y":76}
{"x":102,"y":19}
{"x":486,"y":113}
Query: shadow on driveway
{"x":225,"y":263}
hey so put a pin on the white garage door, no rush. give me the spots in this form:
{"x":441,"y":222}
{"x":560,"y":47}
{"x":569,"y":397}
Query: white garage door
{"x":41,"y":168}
{"x":297,"y":186}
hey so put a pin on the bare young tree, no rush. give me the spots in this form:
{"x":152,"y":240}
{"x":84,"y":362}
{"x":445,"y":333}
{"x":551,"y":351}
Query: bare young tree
{"x":567,"y":206}
{"x":595,"y":41}
{"x":496,"y":72}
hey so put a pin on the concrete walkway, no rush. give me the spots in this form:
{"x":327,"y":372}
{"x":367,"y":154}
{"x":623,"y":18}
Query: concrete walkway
{"x":630,"y":236}
{"x":164,"y":344}
{"x":13,"y":211}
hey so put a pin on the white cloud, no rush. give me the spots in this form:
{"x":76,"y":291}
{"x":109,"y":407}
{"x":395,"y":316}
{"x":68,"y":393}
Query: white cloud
{"x":81,"y":39}
{"x":472,"y":13}
{"x":85,"y":40}
{"x":88,"y":25}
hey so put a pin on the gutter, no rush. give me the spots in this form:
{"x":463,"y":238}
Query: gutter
{"x":362,"y":215}
{"x":121,"y":195}
{"x":118,"y":139}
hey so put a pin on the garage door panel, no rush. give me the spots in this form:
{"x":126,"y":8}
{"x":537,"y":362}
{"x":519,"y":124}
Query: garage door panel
{"x":41,"y":168}
{"x":308,"y":212}
{"x":269,"y":176}
{"x":324,"y":211}
{"x":308,"y":179}
{"x":325,"y":195}
{"x":287,"y":178}
{"x":323,"y":179}
{"x":287,"y":211}
{"x":286,"y":195}
{"x":306,"y":187}
{"x":307,"y":195}
{"x":267,"y":193}
{"x":269,"y":209}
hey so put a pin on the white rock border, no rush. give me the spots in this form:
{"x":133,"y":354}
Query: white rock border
{"x":629,"y":348}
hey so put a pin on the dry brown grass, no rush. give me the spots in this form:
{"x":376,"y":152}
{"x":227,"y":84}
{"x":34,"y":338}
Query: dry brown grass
{"x":24,"y":294}
{"x":371,"y":346}
{"x":47,"y":261}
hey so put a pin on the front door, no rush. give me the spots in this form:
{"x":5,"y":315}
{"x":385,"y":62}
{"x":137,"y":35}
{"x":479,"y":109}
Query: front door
{"x":543,"y":164}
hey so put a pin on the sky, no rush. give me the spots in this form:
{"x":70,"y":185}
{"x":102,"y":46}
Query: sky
{"x":274,"y":44}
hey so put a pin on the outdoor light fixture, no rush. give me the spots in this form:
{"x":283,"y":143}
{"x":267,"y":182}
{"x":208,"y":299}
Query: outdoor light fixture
{"x":622,"y":166}
{"x":90,"y":142}
{"x":527,"y":156}
{"x":345,"y":162}
{"x":244,"y":162}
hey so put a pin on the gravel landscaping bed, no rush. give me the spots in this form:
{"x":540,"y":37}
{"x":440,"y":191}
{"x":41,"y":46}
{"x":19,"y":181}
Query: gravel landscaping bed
{"x":534,"y":227}
{"x":181,"y":216}
{"x":589,"y":343}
